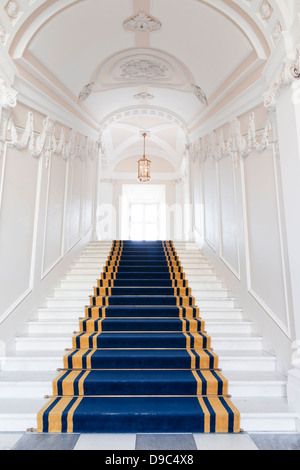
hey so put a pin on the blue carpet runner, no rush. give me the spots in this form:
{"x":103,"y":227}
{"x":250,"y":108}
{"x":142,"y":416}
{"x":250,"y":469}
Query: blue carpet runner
{"x":142,"y":361}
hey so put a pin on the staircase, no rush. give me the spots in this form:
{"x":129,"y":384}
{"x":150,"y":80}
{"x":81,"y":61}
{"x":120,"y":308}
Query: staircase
{"x":31,"y":362}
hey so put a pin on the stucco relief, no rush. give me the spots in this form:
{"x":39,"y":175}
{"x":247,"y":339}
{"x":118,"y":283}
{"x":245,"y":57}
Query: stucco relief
{"x":142,"y":23}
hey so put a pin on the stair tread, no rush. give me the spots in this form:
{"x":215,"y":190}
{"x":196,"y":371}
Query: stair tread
{"x":170,"y":319}
{"x":248,"y":406}
{"x":232,"y":376}
{"x":232,"y":336}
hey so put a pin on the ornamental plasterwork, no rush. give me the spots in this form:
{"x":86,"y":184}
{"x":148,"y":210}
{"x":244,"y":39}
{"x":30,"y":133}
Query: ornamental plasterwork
{"x":13,"y":9}
{"x":37,"y":143}
{"x":142,"y":23}
{"x":216,"y":146}
{"x":266,"y":10}
{"x":290,"y":72}
{"x":86,"y":91}
{"x":143,"y":69}
{"x":199,"y":93}
{"x":276,"y":32}
{"x":3,"y":34}
{"x":143,"y":96}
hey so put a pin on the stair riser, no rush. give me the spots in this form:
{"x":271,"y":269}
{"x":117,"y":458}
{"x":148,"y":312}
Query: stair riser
{"x":51,"y":364}
{"x":81,"y":302}
{"x":100,"y":264}
{"x":95,"y":273}
{"x":52,"y":344}
{"x":74,"y":314}
{"x":38,"y":390}
{"x":13,"y":423}
{"x":256,"y":390}
{"x":41,"y":328}
{"x":17,"y":423}
{"x":87,"y":285}
{"x":268,"y":424}
{"x":236,"y":364}
{"x":62,"y":293}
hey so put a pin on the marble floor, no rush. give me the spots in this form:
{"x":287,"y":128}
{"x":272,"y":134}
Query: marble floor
{"x":242,"y":441}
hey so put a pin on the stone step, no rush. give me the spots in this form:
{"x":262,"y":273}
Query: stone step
{"x":39,"y":383}
{"x":49,"y":360}
{"x":60,"y":292}
{"x":51,"y":342}
{"x":52,"y":313}
{"x":88,"y":284}
{"x":257,"y":414}
{"x":69,"y":326}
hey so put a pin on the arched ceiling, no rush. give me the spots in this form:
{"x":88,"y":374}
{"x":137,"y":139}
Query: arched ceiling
{"x":132,"y":65}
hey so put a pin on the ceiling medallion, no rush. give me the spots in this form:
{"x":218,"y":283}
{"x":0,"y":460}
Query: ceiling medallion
{"x":142,"y":23}
{"x":143,"y":69}
{"x":199,"y":93}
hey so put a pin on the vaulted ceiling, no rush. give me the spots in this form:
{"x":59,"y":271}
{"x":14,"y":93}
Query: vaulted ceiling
{"x":134,"y":65}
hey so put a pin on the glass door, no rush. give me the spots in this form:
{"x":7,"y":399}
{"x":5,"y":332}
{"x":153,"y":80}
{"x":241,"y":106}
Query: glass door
{"x":143,"y":221}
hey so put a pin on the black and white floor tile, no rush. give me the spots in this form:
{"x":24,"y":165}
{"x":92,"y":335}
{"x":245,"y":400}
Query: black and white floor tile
{"x":125,"y":442}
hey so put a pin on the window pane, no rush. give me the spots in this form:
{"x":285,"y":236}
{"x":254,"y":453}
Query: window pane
{"x":151,"y":213}
{"x":137,"y":212}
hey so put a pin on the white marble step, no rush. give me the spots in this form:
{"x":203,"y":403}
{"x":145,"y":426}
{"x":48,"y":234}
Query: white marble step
{"x":60,"y":292}
{"x":206,"y":275}
{"x":49,"y":341}
{"x":84,"y":284}
{"x":83,"y":301}
{"x":257,"y":414}
{"x":199,"y":273}
{"x":39,"y":383}
{"x":69,"y":326}
{"x":94,"y":263}
{"x":266,"y":414}
{"x":64,"y":313}
{"x":50,"y":360}
{"x":245,"y":360}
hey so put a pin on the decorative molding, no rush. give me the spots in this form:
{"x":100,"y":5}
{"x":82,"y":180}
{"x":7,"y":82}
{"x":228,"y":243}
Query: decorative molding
{"x":46,"y":141}
{"x":265,"y":10}
{"x":3,"y":34}
{"x":199,"y":93}
{"x":276,"y":33}
{"x":215,"y":146}
{"x":85,"y":92}
{"x":13,"y":9}
{"x":143,"y":96}
{"x":289,"y":73}
{"x":8,"y":96}
{"x":142,"y":23}
{"x":144,"y":69}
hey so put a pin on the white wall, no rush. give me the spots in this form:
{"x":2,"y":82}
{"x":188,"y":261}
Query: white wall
{"x":46,"y":218}
{"x":244,"y":234}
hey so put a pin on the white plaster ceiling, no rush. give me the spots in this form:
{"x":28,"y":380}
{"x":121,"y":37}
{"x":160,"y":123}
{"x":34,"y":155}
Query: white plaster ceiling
{"x":85,"y":51}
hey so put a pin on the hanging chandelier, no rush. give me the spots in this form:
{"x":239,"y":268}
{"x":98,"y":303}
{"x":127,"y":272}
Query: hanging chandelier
{"x":144,"y":165}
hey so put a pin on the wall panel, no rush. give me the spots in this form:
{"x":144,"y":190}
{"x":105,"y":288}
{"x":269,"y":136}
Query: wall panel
{"x":17,"y":222}
{"x":210,"y":198}
{"x":265,"y":266}
{"x":54,"y":214}
{"x":229,"y":250}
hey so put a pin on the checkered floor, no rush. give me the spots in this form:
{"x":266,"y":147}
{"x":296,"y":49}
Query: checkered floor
{"x":119,"y":442}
